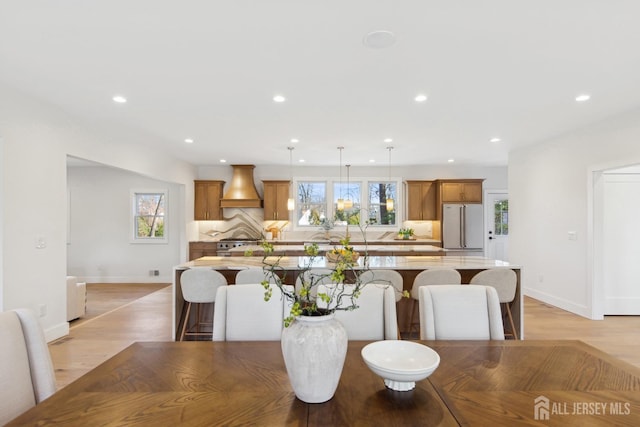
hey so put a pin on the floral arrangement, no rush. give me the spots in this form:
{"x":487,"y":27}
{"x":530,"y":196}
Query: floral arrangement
{"x":405,"y":233}
{"x":344,"y":252}
{"x":306,"y":297}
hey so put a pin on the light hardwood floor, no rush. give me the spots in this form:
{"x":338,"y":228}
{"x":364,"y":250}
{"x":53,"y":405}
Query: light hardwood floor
{"x":148,"y":318}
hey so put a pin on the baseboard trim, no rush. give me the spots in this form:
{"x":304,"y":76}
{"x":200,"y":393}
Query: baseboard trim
{"x":56,"y":331}
{"x":564,"y":304}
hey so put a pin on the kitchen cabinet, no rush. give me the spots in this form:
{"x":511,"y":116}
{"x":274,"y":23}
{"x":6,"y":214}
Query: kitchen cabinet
{"x":276,"y":194}
{"x":421,"y":200}
{"x":207,"y":200}
{"x":457,"y":191}
{"x":200,"y":249}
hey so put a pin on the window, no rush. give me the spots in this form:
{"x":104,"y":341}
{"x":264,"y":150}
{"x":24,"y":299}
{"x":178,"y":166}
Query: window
{"x":365,"y":200}
{"x":149,"y":216}
{"x":379,"y":192}
{"x":350,"y":194}
{"x":312,"y":203}
{"x":501,"y":218}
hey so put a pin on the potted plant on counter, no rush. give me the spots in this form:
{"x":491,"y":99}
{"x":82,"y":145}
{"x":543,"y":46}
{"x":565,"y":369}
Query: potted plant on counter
{"x":405,"y":234}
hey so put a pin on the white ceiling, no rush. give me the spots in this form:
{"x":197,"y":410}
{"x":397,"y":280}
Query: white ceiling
{"x":208,"y":70}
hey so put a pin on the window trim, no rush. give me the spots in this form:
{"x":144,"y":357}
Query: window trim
{"x":133,"y":238}
{"x":364,"y":201}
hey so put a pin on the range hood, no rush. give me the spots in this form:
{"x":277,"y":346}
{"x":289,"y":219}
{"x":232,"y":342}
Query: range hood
{"x":242,"y":191}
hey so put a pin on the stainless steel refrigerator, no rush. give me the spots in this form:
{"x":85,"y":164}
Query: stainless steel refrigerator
{"x":463,"y":229}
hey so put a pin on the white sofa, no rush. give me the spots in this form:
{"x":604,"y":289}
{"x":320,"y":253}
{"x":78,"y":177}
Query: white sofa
{"x":76,"y":298}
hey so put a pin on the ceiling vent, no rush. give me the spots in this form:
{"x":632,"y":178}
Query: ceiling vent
{"x":242,"y":192}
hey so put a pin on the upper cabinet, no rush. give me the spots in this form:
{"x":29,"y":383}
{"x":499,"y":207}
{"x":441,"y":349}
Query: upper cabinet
{"x":421,"y":200}
{"x":207,"y":200}
{"x":461,"y":191}
{"x":276,"y":194}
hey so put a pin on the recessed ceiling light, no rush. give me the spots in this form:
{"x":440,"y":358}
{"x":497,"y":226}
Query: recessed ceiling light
{"x":223,"y":160}
{"x":119,"y":99}
{"x":388,"y":140}
{"x":279,"y":98}
{"x":495,"y":140}
{"x":295,"y":140}
{"x":420,"y":98}
{"x":583,"y":97}
{"x":189,"y":141}
{"x":380,"y":39}
{"x":451,"y":160}
{"x":372,"y":160}
{"x":301,"y":161}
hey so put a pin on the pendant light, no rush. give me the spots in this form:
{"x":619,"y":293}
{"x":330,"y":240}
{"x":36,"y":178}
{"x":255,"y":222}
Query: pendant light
{"x":291,"y":201}
{"x":340,"y":201}
{"x":348,"y":203}
{"x":390,"y":201}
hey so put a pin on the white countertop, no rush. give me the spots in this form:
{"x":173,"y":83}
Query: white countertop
{"x":385,"y":262}
{"x":334,"y":241}
{"x":257,"y":249}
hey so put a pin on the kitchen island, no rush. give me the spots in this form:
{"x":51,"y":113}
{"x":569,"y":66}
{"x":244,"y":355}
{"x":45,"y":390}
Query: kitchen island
{"x":407,"y":266}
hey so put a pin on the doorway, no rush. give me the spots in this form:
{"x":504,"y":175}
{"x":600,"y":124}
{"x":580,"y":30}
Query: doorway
{"x":496,"y":203}
{"x":620,"y":235}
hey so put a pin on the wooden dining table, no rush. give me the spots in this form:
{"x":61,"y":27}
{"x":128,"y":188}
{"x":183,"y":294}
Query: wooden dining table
{"x":478,"y":383}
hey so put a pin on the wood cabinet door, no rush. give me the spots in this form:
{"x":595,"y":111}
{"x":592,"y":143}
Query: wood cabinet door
{"x":414,"y":201}
{"x":200,"y":201}
{"x":282,"y":195}
{"x":429,"y":210}
{"x":452,"y":192}
{"x":200,"y":249}
{"x":270,"y":202}
{"x":421,"y":200}
{"x":207,"y":195}
{"x":275,"y":197}
{"x":472,"y":192}
{"x":462,"y":192}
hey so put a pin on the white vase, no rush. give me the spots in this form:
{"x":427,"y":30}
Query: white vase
{"x":314,"y":349}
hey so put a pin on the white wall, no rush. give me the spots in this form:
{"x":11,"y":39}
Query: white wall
{"x":37,"y":139}
{"x":100,"y":249}
{"x":551,"y":194}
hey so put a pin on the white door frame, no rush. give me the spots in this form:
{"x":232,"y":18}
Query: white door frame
{"x":595,"y":214}
{"x":485,"y":197}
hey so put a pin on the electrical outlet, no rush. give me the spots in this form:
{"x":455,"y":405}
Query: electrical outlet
{"x":41,"y":242}
{"x":572,"y":235}
{"x":42,"y":310}
{"x":156,"y":272}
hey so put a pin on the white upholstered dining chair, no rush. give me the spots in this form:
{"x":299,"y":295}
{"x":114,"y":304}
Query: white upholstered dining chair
{"x":242,"y":314}
{"x":505,"y":281}
{"x":385,"y":277}
{"x":460,"y":312}
{"x":374,"y":319}
{"x":430,"y":277}
{"x":26,"y":371}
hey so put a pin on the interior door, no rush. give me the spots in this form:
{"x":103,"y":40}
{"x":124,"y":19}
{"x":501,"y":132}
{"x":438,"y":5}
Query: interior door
{"x":621,"y":233}
{"x":497,"y":225}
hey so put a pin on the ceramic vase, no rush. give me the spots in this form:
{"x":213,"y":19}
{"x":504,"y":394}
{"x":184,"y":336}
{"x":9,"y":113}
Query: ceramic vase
{"x":314,"y":349}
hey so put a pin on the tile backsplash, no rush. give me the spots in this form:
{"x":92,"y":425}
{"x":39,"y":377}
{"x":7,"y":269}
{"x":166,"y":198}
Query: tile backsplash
{"x":249,"y":224}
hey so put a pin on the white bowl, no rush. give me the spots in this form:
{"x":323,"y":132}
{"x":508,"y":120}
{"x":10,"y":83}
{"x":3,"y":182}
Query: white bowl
{"x":400,"y":363}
